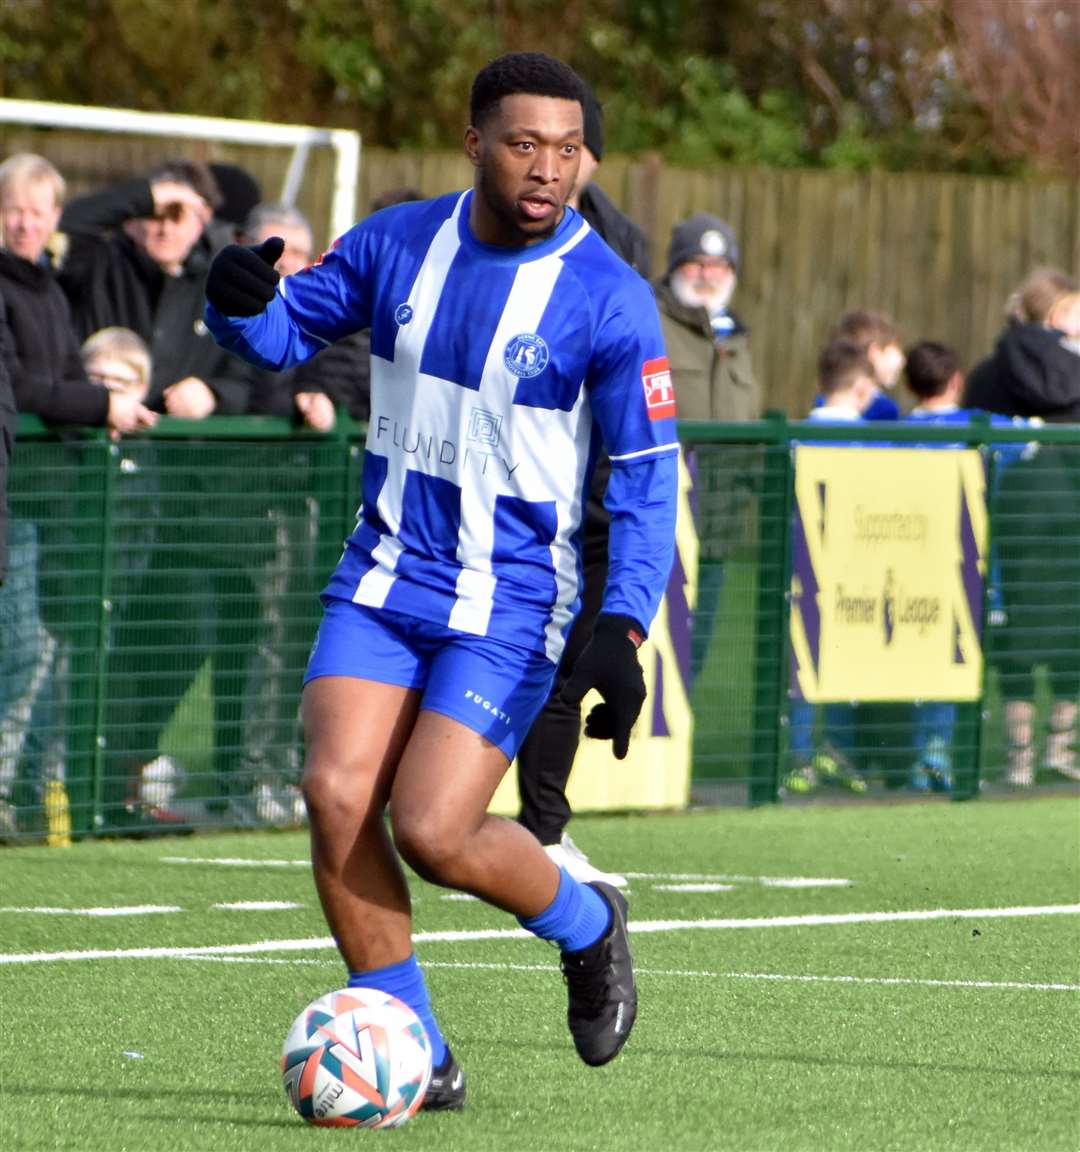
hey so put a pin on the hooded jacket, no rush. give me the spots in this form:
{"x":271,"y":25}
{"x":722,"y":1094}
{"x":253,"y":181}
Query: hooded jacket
{"x":1032,"y":372}
{"x":109,"y":280}
{"x":47,"y":376}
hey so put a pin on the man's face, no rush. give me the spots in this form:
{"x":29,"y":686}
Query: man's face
{"x":526,"y":155}
{"x":29,"y":214}
{"x":704,"y":282}
{"x":297,"y":251}
{"x":169,"y":235}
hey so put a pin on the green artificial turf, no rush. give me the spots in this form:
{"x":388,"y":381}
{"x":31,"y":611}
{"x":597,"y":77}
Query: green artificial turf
{"x":805,"y":1036}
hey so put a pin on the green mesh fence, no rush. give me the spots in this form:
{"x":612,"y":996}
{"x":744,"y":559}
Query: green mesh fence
{"x":163,"y":595}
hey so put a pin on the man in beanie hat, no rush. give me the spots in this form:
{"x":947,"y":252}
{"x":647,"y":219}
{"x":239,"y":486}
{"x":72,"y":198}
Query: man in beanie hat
{"x":709,"y":351}
{"x":620,"y":232}
{"x":707,"y":345}
{"x":546,"y":758}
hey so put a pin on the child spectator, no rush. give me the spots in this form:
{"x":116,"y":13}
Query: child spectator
{"x":118,"y":359}
{"x":846,"y":382}
{"x":879,"y":338}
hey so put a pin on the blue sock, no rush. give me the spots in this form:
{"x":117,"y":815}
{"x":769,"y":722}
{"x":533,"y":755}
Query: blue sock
{"x":406,"y":981}
{"x":576,"y":918}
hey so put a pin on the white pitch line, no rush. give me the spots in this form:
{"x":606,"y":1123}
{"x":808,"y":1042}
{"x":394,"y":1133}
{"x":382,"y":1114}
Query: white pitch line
{"x":705,"y":877}
{"x":319,"y":943}
{"x":235,"y":861}
{"x":118,"y":910}
{"x":738,"y":878}
{"x":801,"y":882}
{"x":776,"y":977}
{"x":703,"y":886}
{"x":258,"y":906}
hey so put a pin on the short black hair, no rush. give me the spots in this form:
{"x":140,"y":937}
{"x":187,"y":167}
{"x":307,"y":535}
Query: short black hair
{"x":929,"y":368}
{"x":529,"y":73}
{"x":840,"y":364}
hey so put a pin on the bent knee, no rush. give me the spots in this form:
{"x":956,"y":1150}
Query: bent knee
{"x":428,"y":843}
{"x":336,"y":789}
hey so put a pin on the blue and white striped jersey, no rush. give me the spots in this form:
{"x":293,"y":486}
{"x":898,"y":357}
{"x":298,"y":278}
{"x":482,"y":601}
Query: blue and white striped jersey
{"x":496,"y":373}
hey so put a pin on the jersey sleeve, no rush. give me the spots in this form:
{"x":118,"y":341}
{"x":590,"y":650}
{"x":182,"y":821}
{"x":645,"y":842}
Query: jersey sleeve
{"x":325,"y":302}
{"x":629,"y":381}
{"x":633,"y":403}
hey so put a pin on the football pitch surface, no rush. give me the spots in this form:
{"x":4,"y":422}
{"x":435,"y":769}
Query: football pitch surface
{"x":849,"y":977}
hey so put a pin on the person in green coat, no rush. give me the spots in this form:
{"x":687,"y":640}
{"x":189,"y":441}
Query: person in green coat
{"x":708,"y":348}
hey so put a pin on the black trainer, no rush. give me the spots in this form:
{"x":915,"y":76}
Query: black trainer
{"x":600,"y":983}
{"x":446,"y":1089}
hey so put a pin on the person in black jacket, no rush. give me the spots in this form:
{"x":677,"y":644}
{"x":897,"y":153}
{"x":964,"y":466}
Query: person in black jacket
{"x":46,"y":378}
{"x":1035,"y":366}
{"x":7,"y":431}
{"x":546,"y":758}
{"x":1034,"y":371}
{"x":137,"y":256}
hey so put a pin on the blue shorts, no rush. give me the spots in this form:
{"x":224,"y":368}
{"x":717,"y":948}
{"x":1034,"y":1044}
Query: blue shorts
{"x":492,"y":687}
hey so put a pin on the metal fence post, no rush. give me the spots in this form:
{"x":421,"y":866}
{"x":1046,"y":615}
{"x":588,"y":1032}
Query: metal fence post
{"x":771,"y":614}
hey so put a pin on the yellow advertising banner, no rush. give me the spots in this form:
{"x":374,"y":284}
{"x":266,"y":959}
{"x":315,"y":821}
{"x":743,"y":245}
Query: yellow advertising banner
{"x":656,"y":771}
{"x":888,"y":571}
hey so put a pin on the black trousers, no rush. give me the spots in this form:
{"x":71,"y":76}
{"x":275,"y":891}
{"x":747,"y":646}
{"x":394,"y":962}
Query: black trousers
{"x":547,"y":756}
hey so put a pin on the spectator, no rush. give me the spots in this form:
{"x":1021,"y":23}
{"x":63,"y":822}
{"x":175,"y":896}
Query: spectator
{"x":546,"y":758}
{"x":1035,"y":371}
{"x":118,"y":360}
{"x":615,"y":227}
{"x":404,"y":195}
{"x":7,"y":431}
{"x":137,"y":258}
{"x":240,"y":194}
{"x":934,"y":377}
{"x":879,"y":337}
{"x":846,"y":383}
{"x":882,"y":733}
{"x":48,"y":380}
{"x":290,"y":394}
{"x":1035,"y":367}
{"x":708,"y":347}
{"x":46,"y":372}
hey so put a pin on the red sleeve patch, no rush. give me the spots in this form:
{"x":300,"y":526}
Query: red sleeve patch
{"x":659,"y":392}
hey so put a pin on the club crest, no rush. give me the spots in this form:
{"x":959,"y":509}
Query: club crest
{"x":526,"y":354}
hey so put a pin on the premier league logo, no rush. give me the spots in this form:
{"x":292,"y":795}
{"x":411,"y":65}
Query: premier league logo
{"x":403,"y":313}
{"x":526,"y":355}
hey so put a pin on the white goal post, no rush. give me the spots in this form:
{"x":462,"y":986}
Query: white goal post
{"x":344,"y":142}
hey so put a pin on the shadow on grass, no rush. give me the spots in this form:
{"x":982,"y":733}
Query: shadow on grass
{"x":673,"y":1055}
{"x":113,"y":1091}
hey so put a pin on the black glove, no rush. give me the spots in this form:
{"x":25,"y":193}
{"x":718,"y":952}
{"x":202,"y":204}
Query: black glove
{"x":242,"y":281}
{"x":610,"y":665}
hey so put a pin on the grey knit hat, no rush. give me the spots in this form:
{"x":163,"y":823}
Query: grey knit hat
{"x":703,"y":235}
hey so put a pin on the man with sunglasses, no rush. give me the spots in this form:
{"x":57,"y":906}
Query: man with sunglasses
{"x":137,"y":258}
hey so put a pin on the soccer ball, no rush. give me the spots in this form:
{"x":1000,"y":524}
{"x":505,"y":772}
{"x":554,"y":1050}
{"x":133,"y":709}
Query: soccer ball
{"x":356,"y":1058}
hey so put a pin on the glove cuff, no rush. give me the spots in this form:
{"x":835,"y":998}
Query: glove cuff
{"x":611,"y":625}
